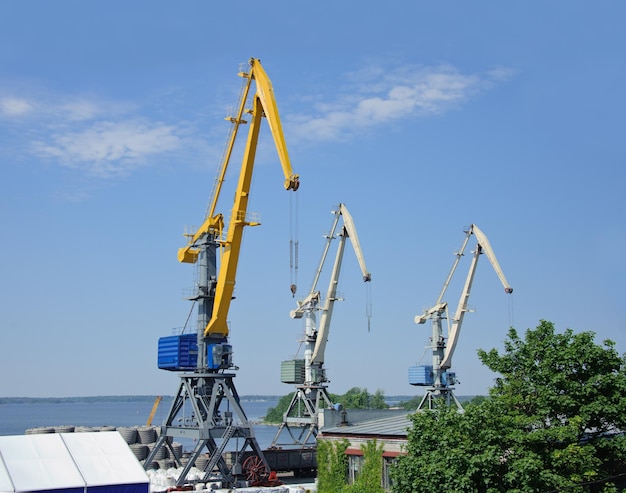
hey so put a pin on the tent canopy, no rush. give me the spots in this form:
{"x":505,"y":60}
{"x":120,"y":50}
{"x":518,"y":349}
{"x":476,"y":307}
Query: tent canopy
{"x":73,"y":462}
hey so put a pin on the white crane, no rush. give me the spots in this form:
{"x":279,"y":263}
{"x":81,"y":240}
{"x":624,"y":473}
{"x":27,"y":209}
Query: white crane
{"x":436,"y":376}
{"x":309,"y":374}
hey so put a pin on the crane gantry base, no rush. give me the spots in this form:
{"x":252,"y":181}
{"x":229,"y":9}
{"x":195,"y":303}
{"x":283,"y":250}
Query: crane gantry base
{"x":207,"y":410}
{"x":300,"y":420}
{"x":434,"y":395}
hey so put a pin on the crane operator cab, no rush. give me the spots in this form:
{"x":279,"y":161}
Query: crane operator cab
{"x":219,"y":356}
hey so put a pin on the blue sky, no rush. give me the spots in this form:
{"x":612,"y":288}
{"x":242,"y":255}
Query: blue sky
{"x":421,"y":117}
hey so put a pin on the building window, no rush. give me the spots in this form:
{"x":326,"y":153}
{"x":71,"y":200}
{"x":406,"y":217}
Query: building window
{"x":355,"y":464}
{"x":388,"y":462}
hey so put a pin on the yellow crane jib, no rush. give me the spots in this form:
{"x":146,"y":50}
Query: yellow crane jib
{"x":265,"y":94}
{"x":214,"y":223}
{"x":263,"y":107}
{"x":155,"y":406}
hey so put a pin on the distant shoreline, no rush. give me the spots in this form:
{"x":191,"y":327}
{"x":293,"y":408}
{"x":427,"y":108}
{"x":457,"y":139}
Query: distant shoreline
{"x":112,"y":398}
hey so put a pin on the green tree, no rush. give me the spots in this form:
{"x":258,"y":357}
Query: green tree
{"x":370,"y":477}
{"x":452,"y":451}
{"x":355,"y":398}
{"x":360,"y":398}
{"x":332,"y":466}
{"x":554,"y":377}
{"x":377,"y":401}
{"x":552,"y":422}
{"x":569,"y":393}
{"x":275,"y":414}
{"x":411,"y":404}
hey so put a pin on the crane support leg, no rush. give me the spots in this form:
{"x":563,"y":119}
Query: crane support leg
{"x":207,"y":409}
{"x":301,"y":418}
{"x":433,"y":396}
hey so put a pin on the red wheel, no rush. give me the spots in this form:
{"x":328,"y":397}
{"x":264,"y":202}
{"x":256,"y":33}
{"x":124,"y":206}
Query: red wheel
{"x":255,"y":469}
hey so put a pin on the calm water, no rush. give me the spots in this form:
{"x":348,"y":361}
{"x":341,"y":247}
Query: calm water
{"x":15,"y":419}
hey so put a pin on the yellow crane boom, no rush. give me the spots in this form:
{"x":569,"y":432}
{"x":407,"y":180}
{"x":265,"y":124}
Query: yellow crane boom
{"x":265,"y":95}
{"x":155,"y":406}
{"x":263,"y":105}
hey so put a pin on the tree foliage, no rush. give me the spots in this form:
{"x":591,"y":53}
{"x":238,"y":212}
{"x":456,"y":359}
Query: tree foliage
{"x":554,"y":377}
{"x":332,"y":466}
{"x":553,"y":422}
{"x":360,"y":398}
{"x":275,"y":414}
{"x":450,"y":451}
{"x":370,"y":477}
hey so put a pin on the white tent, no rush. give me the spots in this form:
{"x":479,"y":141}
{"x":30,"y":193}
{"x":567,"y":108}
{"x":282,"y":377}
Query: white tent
{"x":73,"y":462}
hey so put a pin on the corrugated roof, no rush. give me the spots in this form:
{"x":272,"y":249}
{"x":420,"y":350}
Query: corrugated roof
{"x":397,"y":426}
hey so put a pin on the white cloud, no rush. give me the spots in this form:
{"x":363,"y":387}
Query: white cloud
{"x":385,"y":96}
{"x":109,"y":149}
{"x":103,"y":139}
{"x":12,"y":107}
{"x":75,"y":109}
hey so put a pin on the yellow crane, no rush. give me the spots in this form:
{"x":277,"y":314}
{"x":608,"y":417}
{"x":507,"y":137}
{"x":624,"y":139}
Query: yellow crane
{"x":207,"y":406}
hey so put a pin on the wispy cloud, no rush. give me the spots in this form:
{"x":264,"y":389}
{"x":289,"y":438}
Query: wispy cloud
{"x":378,"y":97}
{"x":108,"y":149}
{"x":103,"y":139}
{"x":13,"y":107}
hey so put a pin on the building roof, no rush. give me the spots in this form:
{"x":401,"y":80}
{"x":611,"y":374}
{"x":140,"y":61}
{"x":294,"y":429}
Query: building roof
{"x":391,"y":426}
